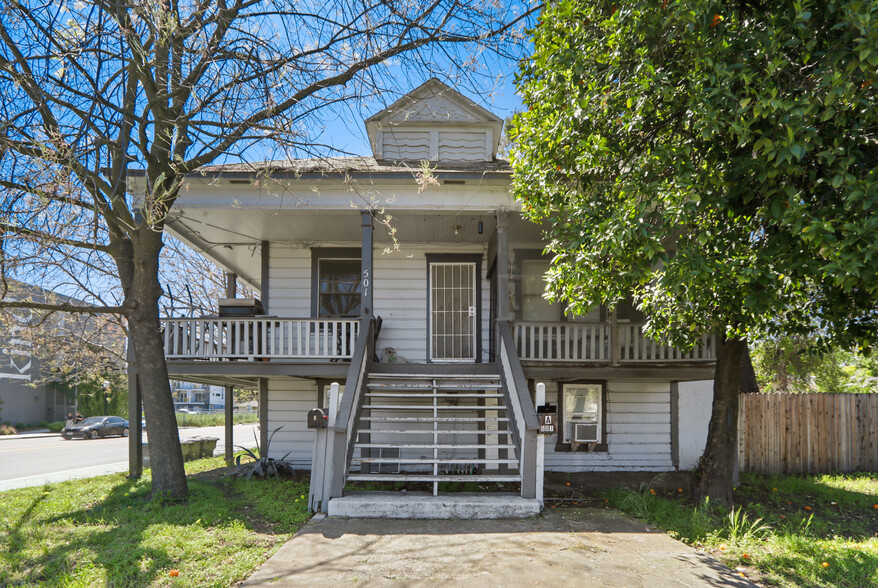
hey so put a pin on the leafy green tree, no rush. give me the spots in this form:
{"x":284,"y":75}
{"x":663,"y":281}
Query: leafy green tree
{"x":789,"y":364}
{"x":717,"y":161}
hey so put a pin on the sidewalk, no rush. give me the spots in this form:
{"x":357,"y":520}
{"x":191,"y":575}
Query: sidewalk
{"x":34,"y":434}
{"x":562,"y":547}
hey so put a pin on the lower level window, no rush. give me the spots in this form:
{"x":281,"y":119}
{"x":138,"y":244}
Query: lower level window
{"x":582,"y":413}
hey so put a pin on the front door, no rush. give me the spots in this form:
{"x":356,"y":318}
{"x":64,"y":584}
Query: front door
{"x":453,"y":311}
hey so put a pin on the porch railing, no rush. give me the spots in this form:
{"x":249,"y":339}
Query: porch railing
{"x":562,"y":341}
{"x":523,"y":415}
{"x":596,"y":342}
{"x":635,"y":347}
{"x":259,"y":338}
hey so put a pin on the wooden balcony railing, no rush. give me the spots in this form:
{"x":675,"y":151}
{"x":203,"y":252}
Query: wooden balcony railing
{"x":595,"y":342}
{"x":634,"y":347}
{"x":259,"y":338}
{"x":562,"y":341}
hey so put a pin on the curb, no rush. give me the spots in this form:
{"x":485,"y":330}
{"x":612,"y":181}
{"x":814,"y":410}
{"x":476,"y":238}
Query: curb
{"x":29,"y":436}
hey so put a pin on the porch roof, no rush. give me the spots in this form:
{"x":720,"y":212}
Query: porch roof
{"x":358,"y":165}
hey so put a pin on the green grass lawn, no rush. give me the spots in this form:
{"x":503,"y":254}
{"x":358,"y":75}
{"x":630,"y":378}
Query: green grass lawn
{"x":108,"y":531}
{"x":214,"y":419}
{"x":786,"y":531}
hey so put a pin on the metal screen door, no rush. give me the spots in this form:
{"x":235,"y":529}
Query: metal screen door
{"x":453,"y":311}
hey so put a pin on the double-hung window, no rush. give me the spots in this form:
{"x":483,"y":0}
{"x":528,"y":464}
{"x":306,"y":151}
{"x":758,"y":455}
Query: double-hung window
{"x":338,"y":287}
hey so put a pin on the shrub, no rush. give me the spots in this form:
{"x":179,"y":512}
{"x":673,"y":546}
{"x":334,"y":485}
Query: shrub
{"x":7,"y":430}
{"x":56,"y":426}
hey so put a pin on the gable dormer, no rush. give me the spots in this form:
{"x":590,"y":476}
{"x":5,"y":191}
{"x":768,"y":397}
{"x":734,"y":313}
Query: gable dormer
{"x":435,"y":123}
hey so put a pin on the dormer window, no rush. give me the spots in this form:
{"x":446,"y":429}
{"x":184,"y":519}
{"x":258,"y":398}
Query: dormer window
{"x":437,"y":124}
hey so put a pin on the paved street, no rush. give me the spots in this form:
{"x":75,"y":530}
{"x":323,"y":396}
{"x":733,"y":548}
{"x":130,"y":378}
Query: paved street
{"x":32,"y":461}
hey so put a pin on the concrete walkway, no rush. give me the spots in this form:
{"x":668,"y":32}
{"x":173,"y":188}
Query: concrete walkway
{"x":562,"y":547}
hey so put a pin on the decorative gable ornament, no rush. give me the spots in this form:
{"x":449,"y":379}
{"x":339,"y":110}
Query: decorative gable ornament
{"x":436,"y":123}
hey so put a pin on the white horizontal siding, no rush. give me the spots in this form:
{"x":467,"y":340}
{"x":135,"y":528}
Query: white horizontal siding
{"x":638,"y":417}
{"x":401,"y":300}
{"x":289,"y":282}
{"x":289,"y":401}
{"x":400,"y":294}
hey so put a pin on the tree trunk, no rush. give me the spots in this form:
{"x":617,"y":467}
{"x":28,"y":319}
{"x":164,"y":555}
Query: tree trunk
{"x":142,"y":300}
{"x":749,"y":384}
{"x":717,"y":466}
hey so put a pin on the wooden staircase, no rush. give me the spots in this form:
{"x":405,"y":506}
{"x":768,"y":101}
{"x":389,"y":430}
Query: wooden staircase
{"x":434,"y":427}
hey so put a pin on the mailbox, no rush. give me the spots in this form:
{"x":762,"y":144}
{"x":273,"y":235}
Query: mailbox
{"x":317,"y":419}
{"x":547,"y":416}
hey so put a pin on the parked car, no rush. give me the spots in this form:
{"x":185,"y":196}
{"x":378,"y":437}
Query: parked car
{"x":97,"y":426}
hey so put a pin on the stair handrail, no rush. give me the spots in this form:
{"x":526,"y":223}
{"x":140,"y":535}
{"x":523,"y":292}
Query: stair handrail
{"x":525,"y":424}
{"x":343,"y":427}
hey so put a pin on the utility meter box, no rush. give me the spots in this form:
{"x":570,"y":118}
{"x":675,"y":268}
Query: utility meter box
{"x":317,"y":419}
{"x":547,"y":416}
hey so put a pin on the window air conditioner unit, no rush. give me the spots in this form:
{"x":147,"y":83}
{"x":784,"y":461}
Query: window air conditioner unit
{"x":585,"y":432}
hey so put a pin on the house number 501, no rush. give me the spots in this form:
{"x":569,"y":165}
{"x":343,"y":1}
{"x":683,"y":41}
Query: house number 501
{"x":365,"y":282}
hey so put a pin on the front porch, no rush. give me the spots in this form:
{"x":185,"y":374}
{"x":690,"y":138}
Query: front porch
{"x":319,"y":340}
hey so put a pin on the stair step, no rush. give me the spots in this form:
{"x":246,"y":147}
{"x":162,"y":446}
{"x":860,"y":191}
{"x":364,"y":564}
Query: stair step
{"x":474,"y":386}
{"x":431,"y":407}
{"x":432,"y":478}
{"x":434,"y":420}
{"x":419,"y":505}
{"x":429,"y":432}
{"x":428,"y":460}
{"x":393,"y":376}
{"x":404,"y":395}
{"x":433,"y":446}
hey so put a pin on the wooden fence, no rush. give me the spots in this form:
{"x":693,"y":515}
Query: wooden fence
{"x":808,"y":433}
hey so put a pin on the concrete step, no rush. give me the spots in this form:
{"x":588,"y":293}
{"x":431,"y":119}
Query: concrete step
{"x":418,"y":505}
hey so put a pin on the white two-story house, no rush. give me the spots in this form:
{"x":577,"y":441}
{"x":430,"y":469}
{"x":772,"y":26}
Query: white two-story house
{"x":410,"y":278}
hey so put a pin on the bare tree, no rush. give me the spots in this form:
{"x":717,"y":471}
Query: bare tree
{"x":97,"y":86}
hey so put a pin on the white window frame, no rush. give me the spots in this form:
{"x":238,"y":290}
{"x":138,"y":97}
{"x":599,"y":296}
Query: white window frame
{"x":567,"y":427}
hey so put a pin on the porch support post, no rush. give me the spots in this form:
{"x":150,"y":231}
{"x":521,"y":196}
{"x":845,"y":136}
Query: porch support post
{"x":263,"y":413}
{"x":366,"y":264}
{"x":230,"y":423}
{"x":229,"y":395}
{"x":135,"y":412}
{"x":265,"y":254}
{"x":615,"y":339}
{"x":231,"y":285}
{"x":503,"y":313}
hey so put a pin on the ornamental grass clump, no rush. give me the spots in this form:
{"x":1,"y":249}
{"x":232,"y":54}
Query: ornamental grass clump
{"x":262,"y":465}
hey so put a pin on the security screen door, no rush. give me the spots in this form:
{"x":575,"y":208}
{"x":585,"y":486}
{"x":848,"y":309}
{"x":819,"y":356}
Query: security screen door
{"x":453,"y":311}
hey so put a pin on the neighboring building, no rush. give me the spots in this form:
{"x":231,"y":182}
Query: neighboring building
{"x":27,"y":395}
{"x":200,"y":397}
{"x":438,"y":265}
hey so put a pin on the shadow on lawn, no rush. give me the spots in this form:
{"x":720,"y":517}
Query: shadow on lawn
{"x":836,"y":511}
{"x":122,"y":533}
